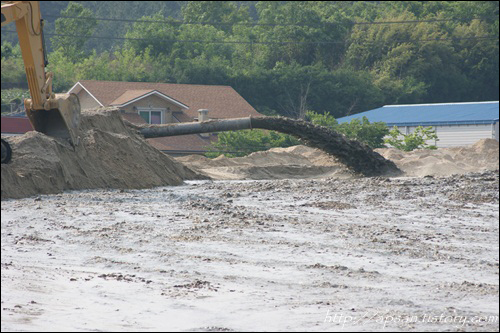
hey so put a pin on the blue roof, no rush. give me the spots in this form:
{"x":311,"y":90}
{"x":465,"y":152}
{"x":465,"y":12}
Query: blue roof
{"x":432,"y":114}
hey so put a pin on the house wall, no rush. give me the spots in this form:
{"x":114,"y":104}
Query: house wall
{"x":458,"y":135}
{"x":153,"y":102}
{"x":86,"y":101}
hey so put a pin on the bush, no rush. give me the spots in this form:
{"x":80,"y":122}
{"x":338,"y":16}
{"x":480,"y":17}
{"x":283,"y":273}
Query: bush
{"x":242,"y":143}
{"x":371,"y":134}
{"x":412,"y":141}
{"x":15,"y":97}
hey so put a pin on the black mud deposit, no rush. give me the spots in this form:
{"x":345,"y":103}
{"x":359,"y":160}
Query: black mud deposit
{"x":354,"y":154}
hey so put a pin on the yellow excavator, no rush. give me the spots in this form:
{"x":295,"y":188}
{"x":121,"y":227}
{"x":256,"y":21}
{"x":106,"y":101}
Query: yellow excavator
{"x":56,"y":115}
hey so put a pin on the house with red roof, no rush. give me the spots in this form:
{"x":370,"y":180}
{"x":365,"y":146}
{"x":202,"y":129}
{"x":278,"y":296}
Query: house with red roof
{"x":164,"y":103}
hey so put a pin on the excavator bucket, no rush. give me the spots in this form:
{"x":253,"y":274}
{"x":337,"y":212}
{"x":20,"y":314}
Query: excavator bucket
{"x":61,"y":120}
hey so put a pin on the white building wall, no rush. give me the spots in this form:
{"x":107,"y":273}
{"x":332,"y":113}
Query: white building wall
{"x":86,"y":101}
{"x":463,"y":135}
{"x":459,"y":135}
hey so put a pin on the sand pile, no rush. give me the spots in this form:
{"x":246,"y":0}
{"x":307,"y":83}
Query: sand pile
{"x":482,"y":156}
{"x":299,"y":162}
{"x":109,"y":155}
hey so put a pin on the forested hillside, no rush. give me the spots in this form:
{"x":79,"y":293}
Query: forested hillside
{"x":341,"y":57}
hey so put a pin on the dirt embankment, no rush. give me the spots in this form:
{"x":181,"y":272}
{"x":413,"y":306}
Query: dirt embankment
{"x":109,"y":155}
{"x":303,"y":162}
{"x":299,"y":162}
{"x":482,"y":156}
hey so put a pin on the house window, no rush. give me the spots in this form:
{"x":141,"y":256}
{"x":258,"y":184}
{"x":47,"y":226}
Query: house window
{"x":151,"y":117}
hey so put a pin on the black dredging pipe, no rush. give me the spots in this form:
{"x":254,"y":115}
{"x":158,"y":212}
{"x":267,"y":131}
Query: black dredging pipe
{"x":357,"y":156}
{"x":211,"y":126}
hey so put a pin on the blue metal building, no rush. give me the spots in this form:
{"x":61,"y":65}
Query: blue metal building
{"x":456,"y":124}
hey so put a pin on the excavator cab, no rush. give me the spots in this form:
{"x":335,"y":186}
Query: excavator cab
{"x":56,"y":115}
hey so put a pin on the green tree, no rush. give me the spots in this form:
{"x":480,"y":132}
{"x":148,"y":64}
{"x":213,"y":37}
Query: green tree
{"x":430,"y":61}
{"x":242,"y":143}
{"x":416,"y":140}
{"x":65,"y":73}
{"x":294,"y":26}
{"x":156,"y":37}
{"x":72,"y":34}
{"x":201,"y":71}
{"x":326,"y":119}
{"x":13,"y":73}
{"x":7,"y":50}
{"x":198,"y":41}
{"x":221,"y":14}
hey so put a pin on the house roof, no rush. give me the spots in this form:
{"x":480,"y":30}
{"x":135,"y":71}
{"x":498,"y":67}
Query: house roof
{"x":432,"y":114}
{"x":15,"y":125}
{"x":131,"y":96}
{"x":222,"y":101}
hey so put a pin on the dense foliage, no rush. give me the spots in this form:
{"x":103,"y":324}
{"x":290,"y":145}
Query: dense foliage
{"x":282,"y":57}
{"x":242,"y":143}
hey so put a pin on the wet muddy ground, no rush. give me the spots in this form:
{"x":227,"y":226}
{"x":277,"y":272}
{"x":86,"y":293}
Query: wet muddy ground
{"x":372,"y":254}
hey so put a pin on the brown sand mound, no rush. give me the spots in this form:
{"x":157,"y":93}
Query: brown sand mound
{"x":302,"y":162}
{"x":109,"y":155}
{"x":482,"y":156}
{"x":299,"y":162}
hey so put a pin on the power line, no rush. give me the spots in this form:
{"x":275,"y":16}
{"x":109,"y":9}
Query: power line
{"x":268,"y":24}
{"x":263,"y":42}
{"x":427,"y":21}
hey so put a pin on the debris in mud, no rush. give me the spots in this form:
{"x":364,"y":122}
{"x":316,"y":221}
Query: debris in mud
{"x":330,"y":205}
{"x":213,"y":329}
{"x":198,"y":284}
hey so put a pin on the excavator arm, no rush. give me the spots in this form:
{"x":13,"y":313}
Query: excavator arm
{"x":56,"y":115}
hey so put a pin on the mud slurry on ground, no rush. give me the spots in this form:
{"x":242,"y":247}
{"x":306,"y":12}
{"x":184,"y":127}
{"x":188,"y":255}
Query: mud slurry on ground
{"x":374,"y":254}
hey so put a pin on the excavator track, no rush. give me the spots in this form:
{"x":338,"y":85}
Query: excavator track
{"x":6,"y":152}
